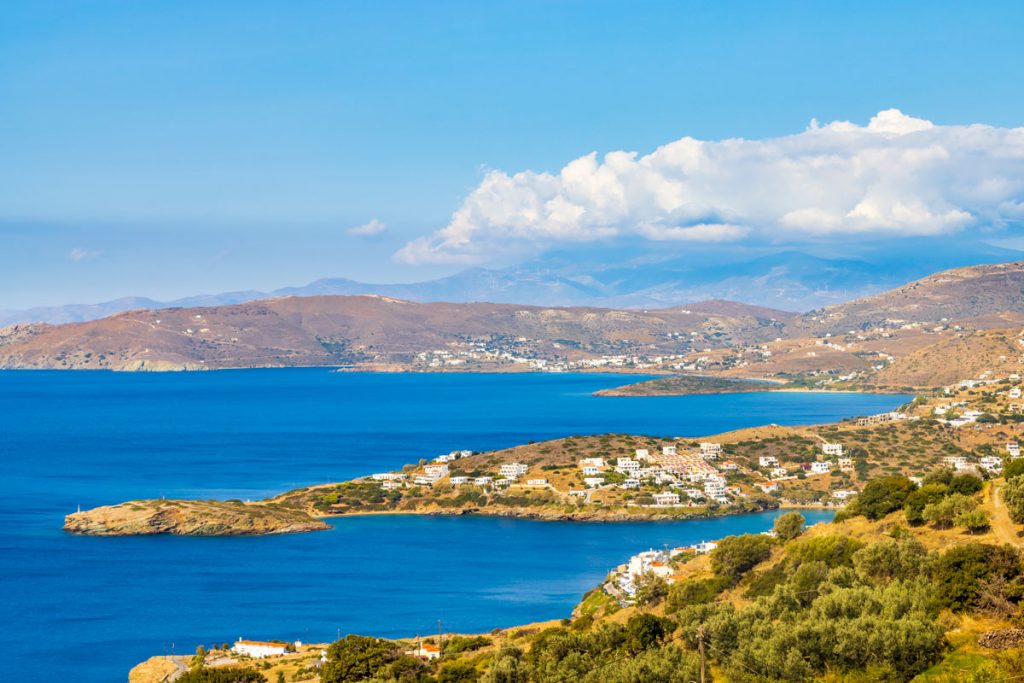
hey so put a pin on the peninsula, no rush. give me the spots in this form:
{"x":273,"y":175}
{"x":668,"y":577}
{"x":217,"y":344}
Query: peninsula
{"x":617,"y":477}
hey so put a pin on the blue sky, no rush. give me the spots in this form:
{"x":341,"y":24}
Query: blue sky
{"x":166,"y":149}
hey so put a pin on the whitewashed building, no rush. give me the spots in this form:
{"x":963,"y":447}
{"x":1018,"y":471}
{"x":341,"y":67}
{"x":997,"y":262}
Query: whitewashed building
{"x":666,"y":499}
{"x":258,"y":649}
{"x":513,"y":470}
{"x":710,"y":450}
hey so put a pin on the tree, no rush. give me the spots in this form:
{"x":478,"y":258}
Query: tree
{"x":280,"y":677}
{"x":355,"y":658}
{"x":975,"y":520}
{"x":882,"y":496}
{"x":644,"y":631}
{"x":1014,"y":468}
{"x":507,"y":667}
{"x":945,"y":512}
{"x":961,"y":570}
{"x":736,"y":555}
{"x":789,"y":526}
{"x":1013,"y":495}
{"x":965,"y":484}
{"x":457,"y":672}
{"x":650,"y":589}
{"x":918,"y":500}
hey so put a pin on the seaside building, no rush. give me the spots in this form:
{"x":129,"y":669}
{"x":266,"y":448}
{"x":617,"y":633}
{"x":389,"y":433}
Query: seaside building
{"x":259,"y":649}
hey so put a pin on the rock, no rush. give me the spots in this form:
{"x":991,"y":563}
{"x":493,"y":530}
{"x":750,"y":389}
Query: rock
{"x":191,"y":518}
{"x":1003,"y":639}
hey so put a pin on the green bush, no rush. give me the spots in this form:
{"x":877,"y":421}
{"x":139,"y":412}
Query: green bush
{"x":736,"y":555}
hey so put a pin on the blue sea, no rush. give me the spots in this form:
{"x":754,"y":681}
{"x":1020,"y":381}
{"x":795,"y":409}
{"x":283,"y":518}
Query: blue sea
{"x":87,"y":609}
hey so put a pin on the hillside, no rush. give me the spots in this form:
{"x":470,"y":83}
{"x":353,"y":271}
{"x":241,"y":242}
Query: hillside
{"x":984,"y":296}
{"x":375,"y":332}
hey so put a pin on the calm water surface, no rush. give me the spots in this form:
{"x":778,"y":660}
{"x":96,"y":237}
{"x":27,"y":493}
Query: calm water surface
{"x":86,"y":609}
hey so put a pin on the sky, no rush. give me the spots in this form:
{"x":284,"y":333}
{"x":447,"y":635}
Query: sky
{"x":170,"y":149}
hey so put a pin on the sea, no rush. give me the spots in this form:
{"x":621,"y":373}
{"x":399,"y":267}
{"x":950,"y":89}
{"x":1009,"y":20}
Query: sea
{"x":87,"y":609}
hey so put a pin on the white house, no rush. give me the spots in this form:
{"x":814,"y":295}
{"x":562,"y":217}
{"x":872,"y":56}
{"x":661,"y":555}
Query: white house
{"x":846,"y":464}
{"x":426,"y":651}
{"x":591,"y":462}
{"x":630,"y":484}
{"x":1013,"y":449}
{"x":779,"y":472}
{"x":710,"y":450}
{"x":821,"y":467}
{"x":627,"y":465}
{"x":843,"y":495}
{"x":258,"y":649}
{"x":1014,"y":392}
{"x":768,"y":461}
{"x":536,"y":482}
{"x":714,"y":487}
{"x":388,"y":476}
{"x":513,"y":470}
{"x":957,"y":462}
{"x":593,"y":482}
{"x":577,"y":493}
{"x":458,"y":481}
{"x":590,"y":471}
{"x":767,"y":486}
{"x":834,"y":449}
{"x":668,"y":450}
{"x":391,"y":485}
{"x":666,"y":499}
{"x":642,"y":454}
{"x":437,"y":470}
{"x":992,"y":463}
{"x":483,"y":481}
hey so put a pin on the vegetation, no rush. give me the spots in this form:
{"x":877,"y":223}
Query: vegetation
{"x":222,"y":675}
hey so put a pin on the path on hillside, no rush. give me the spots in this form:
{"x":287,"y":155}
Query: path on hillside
{"x":1004,"y":529}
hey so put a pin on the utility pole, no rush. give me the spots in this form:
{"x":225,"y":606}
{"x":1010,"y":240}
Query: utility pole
{"x":700,"y":647}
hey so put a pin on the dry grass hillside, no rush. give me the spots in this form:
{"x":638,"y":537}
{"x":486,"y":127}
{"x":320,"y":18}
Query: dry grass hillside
{"x":341,"y":330}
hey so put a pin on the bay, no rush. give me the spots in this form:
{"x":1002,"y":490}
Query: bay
{"x":86,"y":609}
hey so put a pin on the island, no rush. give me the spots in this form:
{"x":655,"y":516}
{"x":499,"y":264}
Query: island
{"x":192,"y":518}
{"x":682,"y":385}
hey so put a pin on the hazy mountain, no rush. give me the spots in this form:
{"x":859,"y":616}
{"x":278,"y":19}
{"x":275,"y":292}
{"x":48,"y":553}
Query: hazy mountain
{"x":634,"y":278}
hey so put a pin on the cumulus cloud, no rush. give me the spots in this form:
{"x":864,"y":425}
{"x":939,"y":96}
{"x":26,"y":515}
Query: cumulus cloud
{"x":897,"y":176}
{"x":371,"y":229}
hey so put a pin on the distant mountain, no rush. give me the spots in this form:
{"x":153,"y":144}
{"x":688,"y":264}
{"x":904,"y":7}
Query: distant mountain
{"x":635,"y":278}
{"x":374,"y":331}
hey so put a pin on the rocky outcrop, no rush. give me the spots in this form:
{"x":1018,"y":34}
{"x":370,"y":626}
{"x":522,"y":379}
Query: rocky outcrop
{"x":191,"y":518}
{"x":1003,"y":639}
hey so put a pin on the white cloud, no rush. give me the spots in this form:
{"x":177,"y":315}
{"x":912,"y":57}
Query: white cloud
{"x":371,"y":229}
{"x":81,"y":254}
{"x":897,"y":176}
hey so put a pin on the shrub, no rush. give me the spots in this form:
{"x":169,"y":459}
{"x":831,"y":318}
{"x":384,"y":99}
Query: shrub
{"x":882,"y":496}
{"x":1013,"y":495}
{"x":736,"y":555}
{"x":960,"y":571}
{"x":789,"y":526}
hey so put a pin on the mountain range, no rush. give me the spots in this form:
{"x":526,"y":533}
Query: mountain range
{"x":378,"y":332}
{"x":792,"y":280}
